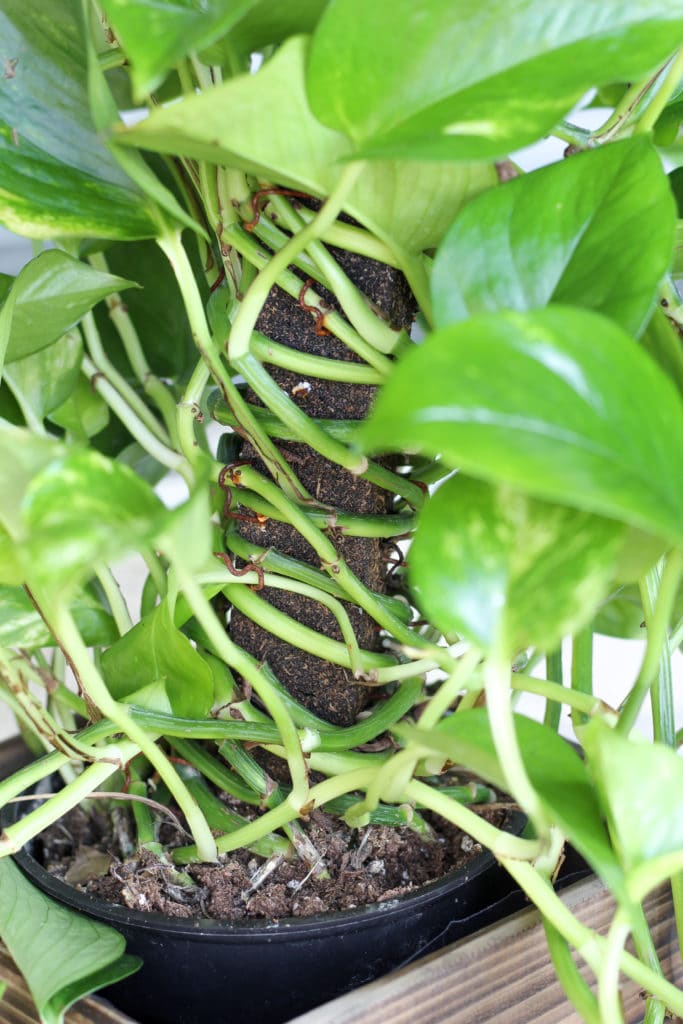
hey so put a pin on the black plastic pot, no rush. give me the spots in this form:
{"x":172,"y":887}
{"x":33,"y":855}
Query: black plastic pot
{"x":266,"y":973}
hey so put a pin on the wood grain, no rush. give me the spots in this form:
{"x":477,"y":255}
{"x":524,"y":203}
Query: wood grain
{"x":502,"y":974}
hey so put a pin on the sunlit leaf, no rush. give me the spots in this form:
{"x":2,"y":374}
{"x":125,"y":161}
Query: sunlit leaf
{"x":263,"y":124}
{"x":501,"y":568}
{"x":560,"y":403}
{"x":475,"y":80}
{"x":62,"y":955}
{"x":595,"y":231}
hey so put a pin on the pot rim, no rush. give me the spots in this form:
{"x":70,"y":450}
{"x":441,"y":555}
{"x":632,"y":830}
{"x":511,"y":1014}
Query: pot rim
{"x":256,"y":929}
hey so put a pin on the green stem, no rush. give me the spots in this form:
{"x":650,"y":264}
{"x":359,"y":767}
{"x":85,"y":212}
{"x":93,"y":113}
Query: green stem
{"x":496,"y":676}
{"x":608,"y":975}
{"x":661,"y":693}
{"x":664,"y":92}
{"x":554,"y":670}
{"x":657,"y":630}
{"x":71,"y":643}
{"x":244,"y":664}
{"x":117,"y":603}
{"x":589,"y":944}
{"x":575,"y":987}
{"x":449,"y":690}
{"x":138,"y":428}
{"x":312,"y":366}
{"x":17,"y":835}
{"x":257,"y":294}
{"x":585,"y":703}
{"x":502,"y":844}
{"x":582,"y":670}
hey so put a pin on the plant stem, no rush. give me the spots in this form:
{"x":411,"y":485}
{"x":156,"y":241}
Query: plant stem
{"x":667,"y":87}
{"x":554,"y":670}
{"x":449,"y":690}
{"x":661,"y":693}
{"x":253,"y":301}
{"x":574,"y":985}
{"x":582,"y":670}
{"x":657,"y":631}
{"x":65,"y":631}
{"x":608,"y":975}
{"x":496,"y":677}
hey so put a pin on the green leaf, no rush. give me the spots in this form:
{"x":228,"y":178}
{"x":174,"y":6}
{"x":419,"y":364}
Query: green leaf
{"x":474,"y":80}
{"x":499,"y":567}
{"x":22,"y":456}
{"x":44,"y":380}
{"x":595,"y":230}
{"x":154,"y":665}
{"x":555,"y":770}
{"x":84,"y":414}
{"x":262,"y":123}
{"x":62,"y":955}
{"x":22,"y":626}
{"x":622,"y":615}
{"x":662,"y":339}
{"x":82,"y":509}
{"x":640,"y":787}
{"x":155,"y":36}
{"x":561,"y":403}
{"x":267,"y":23}
{"x":49,"y":296}
{"x":57,"y":177}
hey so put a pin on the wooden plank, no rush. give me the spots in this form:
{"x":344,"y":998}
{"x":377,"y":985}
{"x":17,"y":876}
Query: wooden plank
{"x":502,"y":974}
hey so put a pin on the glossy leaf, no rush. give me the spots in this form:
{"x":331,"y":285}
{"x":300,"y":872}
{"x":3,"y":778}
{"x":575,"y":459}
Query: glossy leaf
{"x":22,"y":626}
{"x":267,"y":22}
{"x":561,"y":403}
{"x":155,"y":665}
{"x":44,"y":380}
{"x":84,"y":414}
{"x":62,"y":955}
{"x":156,"y":36}
{"x":640,"y":787}
{"x":555,"y":770}
{"x":663,"y":341}
{"x":57,"y":176}
{"x":262,"y":123}
{"x":49,"y":296}
{"x":595,"y":231}
{"x":82,"y":509}
{"x":498,"y":567}
{"x":471,"y":81}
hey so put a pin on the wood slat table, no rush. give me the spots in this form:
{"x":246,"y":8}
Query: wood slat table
{"x":501,"y":974}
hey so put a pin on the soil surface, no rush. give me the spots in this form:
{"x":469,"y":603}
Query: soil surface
{"x":368,"y":865}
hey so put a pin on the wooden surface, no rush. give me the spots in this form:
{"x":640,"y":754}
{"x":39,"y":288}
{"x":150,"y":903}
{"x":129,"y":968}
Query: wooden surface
{"x":502,"y":974}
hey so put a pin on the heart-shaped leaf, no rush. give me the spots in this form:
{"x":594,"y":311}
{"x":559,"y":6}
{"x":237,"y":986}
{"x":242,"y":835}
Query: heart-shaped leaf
{"x":640,"y":786}
{"x":502,"y":568}
{"x":156,"y":36}
{"x":155,"y":665}
{"x":595,"y":231}
{"x":81,"y":509}
{"x":57,"y":176}
{"x":62,"y":955}
{"x":561,"y":403}
{"x":263,"y":124}
{"x":474,"y":80}
{"x":49,"y":296}
{"x":44,"y":380}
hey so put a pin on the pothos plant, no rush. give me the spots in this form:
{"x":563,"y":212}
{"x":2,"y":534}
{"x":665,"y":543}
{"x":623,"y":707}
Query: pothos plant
{"x":303,"y":180}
